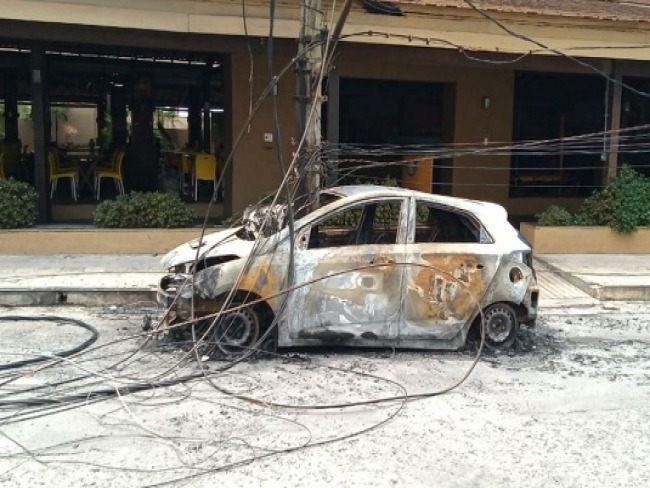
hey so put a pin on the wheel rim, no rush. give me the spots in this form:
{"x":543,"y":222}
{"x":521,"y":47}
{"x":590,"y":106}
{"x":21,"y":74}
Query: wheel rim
{"x":499,"y":324}
{"x":237,"y":331}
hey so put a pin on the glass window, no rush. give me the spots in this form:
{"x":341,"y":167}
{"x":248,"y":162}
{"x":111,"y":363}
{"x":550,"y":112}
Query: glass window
{"x":634,"y":145}
{"x":557,"y":107}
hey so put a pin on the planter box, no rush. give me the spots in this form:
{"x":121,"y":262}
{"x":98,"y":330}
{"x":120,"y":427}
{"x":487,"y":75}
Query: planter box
{"x":94,"y":241}
{"x":585,"y":240}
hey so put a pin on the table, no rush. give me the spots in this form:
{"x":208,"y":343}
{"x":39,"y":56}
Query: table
{"x":182,"y":163}
{"x":86,"y":163}
{"x":186,"y":167}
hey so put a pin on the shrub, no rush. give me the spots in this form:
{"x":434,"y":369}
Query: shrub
{"x":144,"y":210}
{"x":555,"y":215}
{"x":18,"y":204}
{"x":624,"y":205}
{"x":629,"y":201}
{"x":595,"y":210}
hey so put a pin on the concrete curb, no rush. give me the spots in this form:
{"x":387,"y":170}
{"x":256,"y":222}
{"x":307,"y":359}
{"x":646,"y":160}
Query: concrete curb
{"x":632,"y":293}
{"x":17,"y":297}
{"x":45,"y":241}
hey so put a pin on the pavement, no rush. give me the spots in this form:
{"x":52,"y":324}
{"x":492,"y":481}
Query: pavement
{"x":604,"y":276}
{"x":99,"y":280}
{"x":80,"y":279}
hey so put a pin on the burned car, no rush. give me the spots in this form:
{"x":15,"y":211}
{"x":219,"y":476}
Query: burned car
{"x":373,"y":266}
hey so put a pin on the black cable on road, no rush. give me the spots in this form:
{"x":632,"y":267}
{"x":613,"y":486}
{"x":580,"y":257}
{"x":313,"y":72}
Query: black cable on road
{"x":94,"y":334}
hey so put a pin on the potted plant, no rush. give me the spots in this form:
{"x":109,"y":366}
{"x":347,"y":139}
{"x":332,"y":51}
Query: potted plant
{"x":615,"y":220}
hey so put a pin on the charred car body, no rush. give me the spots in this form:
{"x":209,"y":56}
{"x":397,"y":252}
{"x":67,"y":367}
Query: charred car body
{"x":374,"y":266}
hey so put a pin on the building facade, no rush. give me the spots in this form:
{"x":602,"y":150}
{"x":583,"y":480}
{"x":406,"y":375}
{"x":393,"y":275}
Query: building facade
{"x":468,"y":84}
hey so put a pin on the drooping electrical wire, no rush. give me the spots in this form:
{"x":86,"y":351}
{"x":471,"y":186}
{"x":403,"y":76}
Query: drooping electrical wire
{"x":558,"y":52}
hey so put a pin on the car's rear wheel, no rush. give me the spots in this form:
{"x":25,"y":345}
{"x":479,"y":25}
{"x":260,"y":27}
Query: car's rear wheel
{"x":501,"y":326}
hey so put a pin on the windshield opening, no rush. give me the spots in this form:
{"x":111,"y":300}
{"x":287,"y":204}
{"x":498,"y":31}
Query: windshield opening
{"x":266,"y":220}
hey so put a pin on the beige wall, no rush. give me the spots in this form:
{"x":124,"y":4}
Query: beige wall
{"x":93,"y":241}
{"x":585,"y":240}
{"x":488,"y":126}
{"x":255,"y":169}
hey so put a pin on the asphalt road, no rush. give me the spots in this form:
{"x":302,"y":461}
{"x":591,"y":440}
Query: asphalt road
{"x":569,"y":406}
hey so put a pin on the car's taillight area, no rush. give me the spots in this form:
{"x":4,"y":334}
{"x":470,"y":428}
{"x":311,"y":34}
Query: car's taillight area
{"x":528,"y":259}
{"x":521,"y":273}
{"x":524,"y":257}
{"x":528,"y":256}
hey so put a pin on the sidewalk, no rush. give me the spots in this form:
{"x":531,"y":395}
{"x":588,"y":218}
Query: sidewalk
{"x":82,"y":279}
{"x":604,"y":276}
{"x":94,"y":280}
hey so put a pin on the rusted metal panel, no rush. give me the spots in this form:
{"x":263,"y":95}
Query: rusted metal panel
{"x":346,"y":293}
{"x":443,"y":290}
{"x":265,"y":277}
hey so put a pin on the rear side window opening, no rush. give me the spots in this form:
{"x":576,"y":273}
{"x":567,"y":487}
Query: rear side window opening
{"x":439,"y":225}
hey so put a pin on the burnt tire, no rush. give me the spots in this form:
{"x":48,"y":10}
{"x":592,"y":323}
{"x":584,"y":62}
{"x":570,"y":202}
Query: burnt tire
{"x":237,"y":330}
{"x":501,"y":326}
{"x":243,"y":330}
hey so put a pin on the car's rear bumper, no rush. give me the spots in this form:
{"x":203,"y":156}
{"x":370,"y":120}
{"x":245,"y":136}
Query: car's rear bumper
{"x":531,"y":304}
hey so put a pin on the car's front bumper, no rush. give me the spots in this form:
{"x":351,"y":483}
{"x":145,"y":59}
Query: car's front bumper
{"x":174,"y":295}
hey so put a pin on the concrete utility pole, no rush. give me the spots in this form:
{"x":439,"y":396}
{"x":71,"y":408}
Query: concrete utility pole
{"x":308,"y":94}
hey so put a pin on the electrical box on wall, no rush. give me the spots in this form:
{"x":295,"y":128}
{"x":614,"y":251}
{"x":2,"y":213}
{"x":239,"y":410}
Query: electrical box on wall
{"x":268,"y":139}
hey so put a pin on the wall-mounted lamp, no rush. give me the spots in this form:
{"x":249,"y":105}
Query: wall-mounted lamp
{"x":486,"y":102}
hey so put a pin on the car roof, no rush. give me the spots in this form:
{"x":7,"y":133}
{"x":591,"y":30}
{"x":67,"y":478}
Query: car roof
{"x":484,"y":209}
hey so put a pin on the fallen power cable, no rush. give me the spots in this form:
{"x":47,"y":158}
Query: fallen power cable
{"x":94,"y":334}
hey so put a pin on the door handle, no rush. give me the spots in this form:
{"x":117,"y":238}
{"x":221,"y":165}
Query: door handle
{"x":380,"y":261}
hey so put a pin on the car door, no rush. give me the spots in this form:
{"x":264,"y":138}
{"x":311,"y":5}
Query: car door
{"x":348,"y":286}
{"x":452,"y":260}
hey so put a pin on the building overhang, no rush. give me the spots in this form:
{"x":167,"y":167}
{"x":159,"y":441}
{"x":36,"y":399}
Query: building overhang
{"x":424,"y":24}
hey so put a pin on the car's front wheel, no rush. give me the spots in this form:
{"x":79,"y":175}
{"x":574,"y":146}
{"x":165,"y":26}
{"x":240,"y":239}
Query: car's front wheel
{"x":501,"y":326}
{"x":237,"y":330}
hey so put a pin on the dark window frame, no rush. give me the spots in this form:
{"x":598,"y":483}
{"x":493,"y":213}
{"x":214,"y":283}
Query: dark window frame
{"x":556,"y":106}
